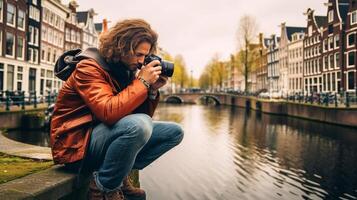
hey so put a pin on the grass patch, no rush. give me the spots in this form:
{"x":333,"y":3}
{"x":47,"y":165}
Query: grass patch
{"x":12,"y":167}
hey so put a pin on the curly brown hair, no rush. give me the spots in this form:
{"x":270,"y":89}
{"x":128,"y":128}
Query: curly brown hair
{"x":123,"y":38}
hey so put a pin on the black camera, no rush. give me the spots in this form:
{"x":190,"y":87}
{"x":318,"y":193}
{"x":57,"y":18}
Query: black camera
{"x":167,"y":67}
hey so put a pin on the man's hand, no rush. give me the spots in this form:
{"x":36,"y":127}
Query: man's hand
{"x":150,"y":73}
{"x":159,"y":83}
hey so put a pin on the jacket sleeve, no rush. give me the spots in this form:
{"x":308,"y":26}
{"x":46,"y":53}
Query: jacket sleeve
{"x":94,"y":87}
{"x":149,"y":106}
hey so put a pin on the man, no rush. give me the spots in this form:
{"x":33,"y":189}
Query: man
{"x":102,"y":117}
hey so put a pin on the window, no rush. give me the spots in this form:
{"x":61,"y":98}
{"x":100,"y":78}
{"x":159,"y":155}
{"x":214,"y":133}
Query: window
{"x":20,"y":47}
{"x":330,"y":42}
{"x":43,"y":54}
{"x":44,"y":33}
{"x":325,"y":45}
{"x":337,"y":41}
{"x":330,"y":16}
{"x":337,"y":60}
{"x":49,"y":55}
{"x":333,"y":81}
{"x":10,"y":14}
{"x":68,"y":34}
{"x":351,"y":58}
{"x":30,"y":35}
{"x":46,"y":15}
{"x":351,"y":39}
{"x":32,"y":79}
{"x":34,"y":13}
{"x":332,"y":62}
{"x":351,"y":80}
{"x":36,"y":36}
{"x":35,"y":56}
{"x":54,"y":56}
{"x":19,"y":77}
{"x":10,"y":44}
{"x":1,"y":10}
{"x":29,"y":54}
{"x":353,"y":17}
{"x":73,"y":36}
{"x":10,"y":77}
{"x":21,"y":20}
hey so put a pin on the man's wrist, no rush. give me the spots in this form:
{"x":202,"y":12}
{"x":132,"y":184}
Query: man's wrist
{"x":147,"y":84}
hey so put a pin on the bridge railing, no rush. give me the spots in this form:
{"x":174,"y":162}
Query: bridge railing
{"x":13,"y":99}
{"x":322,"y":99}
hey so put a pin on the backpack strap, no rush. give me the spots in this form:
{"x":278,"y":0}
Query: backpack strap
{"x":67,"y":62}
{"x":93,"y":53}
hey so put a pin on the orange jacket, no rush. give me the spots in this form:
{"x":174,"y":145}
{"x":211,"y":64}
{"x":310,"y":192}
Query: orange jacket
{"x":90,"y":95}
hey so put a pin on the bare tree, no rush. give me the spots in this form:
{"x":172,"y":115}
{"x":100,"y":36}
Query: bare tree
{"x":246,"y":34}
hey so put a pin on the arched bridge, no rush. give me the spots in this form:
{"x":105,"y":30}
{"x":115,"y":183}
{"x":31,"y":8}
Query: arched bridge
{"x":196,"y":97}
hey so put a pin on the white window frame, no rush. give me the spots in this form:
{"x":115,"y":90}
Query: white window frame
{"x":18,"y":72}
{"x":347,"y":39}
{"x":347,"y":81}
{"x":31,"y":31}
{"x":334,"y":41}
{"x":14,"y":19}
{"x":30,"y":52}
{"x":347,"y":59}
{"x":43,"y":54}
{"x":354,"y":13}
{"x":36,"y":35}
{"x":330,"y":16}
{"x":35,"y":57}
{"x":24,"y":20}
{"x":329,"y":61}
{"x":23,"y":47}
{"x":2,"y":10}
{"x":337,"y":66}
{"x":13,"y":46}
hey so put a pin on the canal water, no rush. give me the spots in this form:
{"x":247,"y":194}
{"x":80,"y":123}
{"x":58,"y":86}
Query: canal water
{"x":230,"y":153}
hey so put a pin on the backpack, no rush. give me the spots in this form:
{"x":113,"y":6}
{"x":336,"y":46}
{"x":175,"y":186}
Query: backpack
{"x":68,"y":61}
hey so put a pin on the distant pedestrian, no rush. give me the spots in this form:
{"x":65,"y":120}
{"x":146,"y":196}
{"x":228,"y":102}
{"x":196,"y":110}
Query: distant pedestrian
{"x":102,"y":119}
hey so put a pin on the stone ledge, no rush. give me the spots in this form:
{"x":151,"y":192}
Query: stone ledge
{"x":53,"y":183}
{"x":15,"y":148}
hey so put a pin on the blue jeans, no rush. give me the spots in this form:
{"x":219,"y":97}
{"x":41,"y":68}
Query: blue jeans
{"x":133,"y":142}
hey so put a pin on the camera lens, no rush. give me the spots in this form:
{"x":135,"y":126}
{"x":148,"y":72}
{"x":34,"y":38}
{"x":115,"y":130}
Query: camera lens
{"x":167,"y":68}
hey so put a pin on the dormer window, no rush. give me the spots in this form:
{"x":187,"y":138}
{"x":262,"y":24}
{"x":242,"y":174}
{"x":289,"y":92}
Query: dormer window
{"x":330,"y":16}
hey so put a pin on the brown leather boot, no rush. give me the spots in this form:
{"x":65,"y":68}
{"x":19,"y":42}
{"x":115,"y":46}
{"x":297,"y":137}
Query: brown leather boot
{"x":95,"y":193}
{"x":130,"y":192}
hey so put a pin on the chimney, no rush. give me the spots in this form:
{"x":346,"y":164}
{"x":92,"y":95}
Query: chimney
{"x":105,"y":25}
{"x":260,"y":38}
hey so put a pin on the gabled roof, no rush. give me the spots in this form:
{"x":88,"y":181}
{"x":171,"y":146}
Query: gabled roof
{"x":82,"y":17}
{"x":321,"y":21}
{"x":291,"y":30}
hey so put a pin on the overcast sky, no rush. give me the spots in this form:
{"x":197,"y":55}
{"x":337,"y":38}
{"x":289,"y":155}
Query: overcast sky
{"x":199,"y":29}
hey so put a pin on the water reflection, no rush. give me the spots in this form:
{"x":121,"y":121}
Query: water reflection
{"x":35,"y":137}
{"x":230,"y":153}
